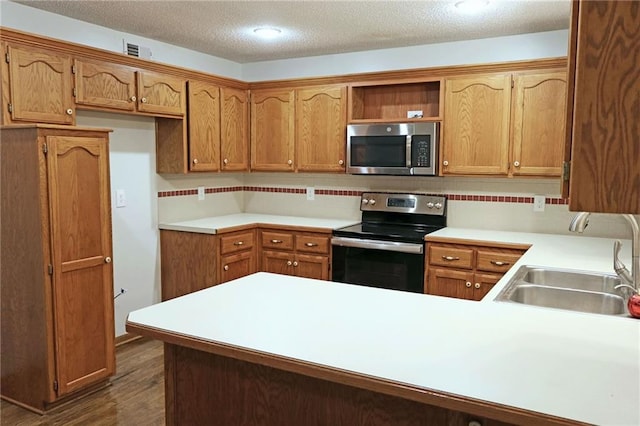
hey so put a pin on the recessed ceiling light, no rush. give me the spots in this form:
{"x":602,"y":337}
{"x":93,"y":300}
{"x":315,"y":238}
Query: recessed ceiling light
{"x":471,"y":6}
{"x":267,"y":32}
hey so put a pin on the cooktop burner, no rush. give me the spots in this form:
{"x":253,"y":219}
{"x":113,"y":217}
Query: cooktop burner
{"x":397,"y":217}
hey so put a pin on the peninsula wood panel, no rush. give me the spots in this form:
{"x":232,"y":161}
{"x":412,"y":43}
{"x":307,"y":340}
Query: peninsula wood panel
{"x":272,"y":130}
{"x":105,"y":85}
{"x":321,"y":119}
{"x":40,"y":85}
{"x":204,"y":388}
{"x":605,"y":147}
{"x":234,"y":149}
{"x":204,"y":126}
{"x":476,"y":125}
{"x":188,"y":262}
{"x":539,"y":123}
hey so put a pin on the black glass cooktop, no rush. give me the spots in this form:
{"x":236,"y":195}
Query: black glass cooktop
{"x":412,"y":233}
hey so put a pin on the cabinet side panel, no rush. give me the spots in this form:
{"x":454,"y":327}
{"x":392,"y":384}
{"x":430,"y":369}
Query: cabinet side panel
{"x":605,"y":158}
{"x":22,"y":271}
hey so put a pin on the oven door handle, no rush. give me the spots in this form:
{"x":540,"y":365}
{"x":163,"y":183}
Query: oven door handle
{"x":378,"y":245}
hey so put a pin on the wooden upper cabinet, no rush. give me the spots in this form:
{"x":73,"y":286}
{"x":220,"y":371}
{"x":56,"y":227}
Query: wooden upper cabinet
{"x":161,"y":94}
{"x":204,"y":126}
{"x":105,"y":85}
{"x":476,"y":125}
{"x":603,"y":144}
{"x":539,"y":123}
{"x":272,"y":130}
{"x":321,"y":129}
{"x":40,"y":87}
{"x":234,"y":143}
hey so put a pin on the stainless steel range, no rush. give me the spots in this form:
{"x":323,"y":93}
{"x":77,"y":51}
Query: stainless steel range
{"x":387,"y":248}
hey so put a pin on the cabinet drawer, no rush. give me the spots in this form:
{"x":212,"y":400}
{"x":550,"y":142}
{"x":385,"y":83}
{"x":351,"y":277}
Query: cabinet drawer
{"x":277,"y":240}
{"x":313,"y":243}
{"x":495,"y":261}
{"x":235,"y":242}
{"x":450,"y":256}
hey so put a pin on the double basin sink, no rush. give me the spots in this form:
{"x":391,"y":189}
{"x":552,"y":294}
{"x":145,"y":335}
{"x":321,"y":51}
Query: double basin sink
{"x":565,"y":289}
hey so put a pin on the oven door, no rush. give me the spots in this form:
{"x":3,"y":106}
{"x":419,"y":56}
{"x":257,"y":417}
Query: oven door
{"x":383,"y":264}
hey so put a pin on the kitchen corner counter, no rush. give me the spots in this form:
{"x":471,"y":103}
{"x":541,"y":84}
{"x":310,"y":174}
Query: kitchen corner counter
{"x":577,"y":252}
{"x":214,"y":224}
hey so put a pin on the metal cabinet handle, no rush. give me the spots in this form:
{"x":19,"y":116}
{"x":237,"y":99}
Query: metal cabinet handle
{"x":468,"y":284}
{"x":341,"y":162}
{"x":450,"y":258}
{"x":143,"y":100}
{"x":238,"y":243}
{"x":69,"y":111}
{"x":516,"y":164}
{"x":195,"y":161}
{"x":295,"y":263}
{"x":289,"y":162}
{"x":276,"y":241}
{"x":107,"y":259}
{"x":477,"y":285}
{"x":445,"y":163}
{"x":226,"y":267}
{"x":225,"y":161}
{"x":499,"y":263}
{"x":133,"y":99}
{"x":311,"y":244}
{"x":289,"y":263}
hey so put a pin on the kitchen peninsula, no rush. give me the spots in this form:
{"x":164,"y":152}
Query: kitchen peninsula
{"x":274,"y":349}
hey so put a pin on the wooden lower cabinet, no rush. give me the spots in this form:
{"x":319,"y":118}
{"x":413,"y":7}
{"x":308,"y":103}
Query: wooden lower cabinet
{"x":467,"y":271}
{"x":57,"y":277}
{"x":301,"y":254}
{"x":238,"y":256}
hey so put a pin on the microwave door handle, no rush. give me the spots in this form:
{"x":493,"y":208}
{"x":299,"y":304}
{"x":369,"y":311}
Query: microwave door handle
{"x":408,"y":151}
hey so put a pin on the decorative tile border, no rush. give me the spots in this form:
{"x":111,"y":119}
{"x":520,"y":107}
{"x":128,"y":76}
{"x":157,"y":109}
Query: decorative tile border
{"x":353,"y":193}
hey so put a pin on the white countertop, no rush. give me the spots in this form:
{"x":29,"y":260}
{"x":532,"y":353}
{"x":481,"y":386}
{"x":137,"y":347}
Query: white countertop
{"x":578,"y":366}
{"x":212,"y":225}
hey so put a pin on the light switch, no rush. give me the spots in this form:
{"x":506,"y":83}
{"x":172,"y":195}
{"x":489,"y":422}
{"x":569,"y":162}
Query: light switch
{"x":538,"y":203}
{"x":200,"y":193}
{"x":311,"y":193}
{"x":121,"y":198}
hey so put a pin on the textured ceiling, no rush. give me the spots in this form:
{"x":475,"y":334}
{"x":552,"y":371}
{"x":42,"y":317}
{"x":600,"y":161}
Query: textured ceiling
{"x":225,"y":28}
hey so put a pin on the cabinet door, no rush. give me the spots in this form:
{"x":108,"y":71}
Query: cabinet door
{"x":272,"y":127}
{"x":539,"y":123}
{"x":605,"y":88}
{"x":105,"y":85}
{"x":40,"y":85}
{"x":309,"y":266}
{"x":476,"y":125}
{"x":450,"y":283}
{"x":321,"y":129}
{"x":277,"y":262}
{"x":234,"y":149}
{"x":80,"y":212}
{"x":237,"y":265}
{"x":161,"y":94}
{"x":483,"y":283}
{"x":204,"y":127}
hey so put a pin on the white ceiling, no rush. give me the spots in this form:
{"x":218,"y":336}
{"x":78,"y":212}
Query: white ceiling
{"x":309,"y":28}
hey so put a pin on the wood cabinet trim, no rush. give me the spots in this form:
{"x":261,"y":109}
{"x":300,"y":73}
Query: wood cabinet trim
{"x":480,"y":243}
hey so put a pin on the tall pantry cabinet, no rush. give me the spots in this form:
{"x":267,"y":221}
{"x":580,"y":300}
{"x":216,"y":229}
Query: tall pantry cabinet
{"x":55,"y":263}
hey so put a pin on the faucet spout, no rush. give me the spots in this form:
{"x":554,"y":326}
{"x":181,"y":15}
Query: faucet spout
{"x":579,"y":222}
{"x":635,"y":250}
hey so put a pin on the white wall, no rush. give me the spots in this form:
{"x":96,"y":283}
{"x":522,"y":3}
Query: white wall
{"x":132,"y":156}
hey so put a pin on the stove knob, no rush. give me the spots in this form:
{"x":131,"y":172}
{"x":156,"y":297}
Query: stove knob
{"x":365,"y":201}
{"x":372,"y":201}
{"x":429,"y":205}
{"x":438,"y":206}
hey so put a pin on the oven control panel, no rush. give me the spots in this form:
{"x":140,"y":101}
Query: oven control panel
{"x":403,"y":203}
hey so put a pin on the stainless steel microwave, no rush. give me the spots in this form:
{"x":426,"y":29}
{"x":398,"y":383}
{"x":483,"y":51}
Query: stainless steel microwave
{"x":393,"y":149}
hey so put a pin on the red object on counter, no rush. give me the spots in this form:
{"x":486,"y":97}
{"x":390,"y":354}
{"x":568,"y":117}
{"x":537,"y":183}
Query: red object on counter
{"x":634,"y":305}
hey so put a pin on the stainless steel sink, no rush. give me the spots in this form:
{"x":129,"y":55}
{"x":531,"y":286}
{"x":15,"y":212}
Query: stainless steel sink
{"x":565,"y":289}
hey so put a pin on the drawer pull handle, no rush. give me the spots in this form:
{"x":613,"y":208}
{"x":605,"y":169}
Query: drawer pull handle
{"x":276,"y":241}
{"x":450,"y":258}
{"x":311,"y":244}
{"x":477,"y":285}
{"x":238,"y":243}
{"x":468,"y":284}
{"x":499,"y":263}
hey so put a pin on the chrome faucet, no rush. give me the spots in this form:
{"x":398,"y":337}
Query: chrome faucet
{"x":580,"y":222}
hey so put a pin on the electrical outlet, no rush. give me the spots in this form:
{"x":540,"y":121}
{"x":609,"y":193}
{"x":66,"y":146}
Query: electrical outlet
{"x":538,"y":203}
{"x":200,"y":193}
{"x":311,"y":193}
{"x":121,"y":198}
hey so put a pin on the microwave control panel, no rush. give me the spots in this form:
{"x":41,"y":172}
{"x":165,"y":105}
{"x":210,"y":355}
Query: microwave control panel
{"x":421,"y":151}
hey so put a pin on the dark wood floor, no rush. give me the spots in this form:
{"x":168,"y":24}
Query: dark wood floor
{"x":135,"y":397}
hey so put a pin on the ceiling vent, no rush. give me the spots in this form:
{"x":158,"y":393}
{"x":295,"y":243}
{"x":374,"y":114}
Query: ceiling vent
{"x":136,"y":50}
